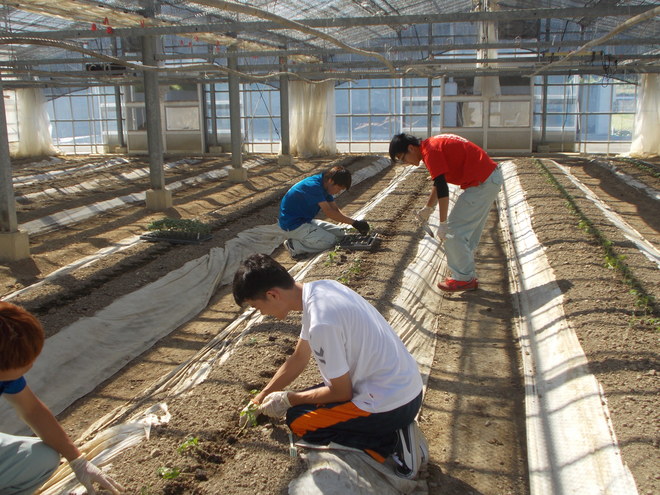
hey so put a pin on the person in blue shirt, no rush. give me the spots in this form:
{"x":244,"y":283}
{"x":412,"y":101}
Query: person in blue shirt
{"x":27,"y":462}
{"x":303,"y":202}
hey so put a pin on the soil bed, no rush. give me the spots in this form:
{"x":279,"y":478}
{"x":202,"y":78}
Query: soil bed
{"x":473,"y":412}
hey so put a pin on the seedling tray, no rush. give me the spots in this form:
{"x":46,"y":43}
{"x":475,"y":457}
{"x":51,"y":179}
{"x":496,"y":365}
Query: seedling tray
{"x":175,"y":237}
{"x":358,"y":242}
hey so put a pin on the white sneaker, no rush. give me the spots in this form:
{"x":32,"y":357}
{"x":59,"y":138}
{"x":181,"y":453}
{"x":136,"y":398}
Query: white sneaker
{"x":412,"y":451}
{"x":289,"y":247}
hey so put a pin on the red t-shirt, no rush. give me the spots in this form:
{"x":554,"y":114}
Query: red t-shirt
{"x":462,"y":162}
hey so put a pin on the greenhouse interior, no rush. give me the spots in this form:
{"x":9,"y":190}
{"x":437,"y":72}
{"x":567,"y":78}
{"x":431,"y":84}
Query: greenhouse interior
{"x":123,"y":115}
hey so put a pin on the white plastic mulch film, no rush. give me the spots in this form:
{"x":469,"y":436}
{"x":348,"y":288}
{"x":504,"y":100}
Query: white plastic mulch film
{"x":92,"y":349}
{"x":312,"y":119}
{"x":646,"y":132}
{"x":414,"y":321}
{"x":572,"y":448}
{"x":33,"y":124}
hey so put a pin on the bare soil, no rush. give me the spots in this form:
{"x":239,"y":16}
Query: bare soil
{"x":473,"y":413}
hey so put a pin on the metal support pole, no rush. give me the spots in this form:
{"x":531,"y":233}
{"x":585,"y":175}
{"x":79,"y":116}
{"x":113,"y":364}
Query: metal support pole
{"x":118,"y":109}
{"x":152,"y":105}
{"x":285,"y":157}
{"x":429,"y":108}
{"x":14,"y":244}
{"x":234,"y":109}
{"x":8,"y":222}
{"x":120,"y":119}
{"x":158,"y":198}
{"x":214,"y":114}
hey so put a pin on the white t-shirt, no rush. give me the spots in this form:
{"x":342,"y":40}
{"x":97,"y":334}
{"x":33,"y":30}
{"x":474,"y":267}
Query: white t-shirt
{"x":347,"y":334}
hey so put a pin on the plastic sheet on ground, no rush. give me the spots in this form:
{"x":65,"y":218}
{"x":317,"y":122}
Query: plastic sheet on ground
{"x":413,"y":319}
{"x":644,"y":246}
{"x":75,"y":215}
{"x":340,"y":471}
{"x":571,"y":443}
{"x":107,"y":445}
{"x":79,"y":357}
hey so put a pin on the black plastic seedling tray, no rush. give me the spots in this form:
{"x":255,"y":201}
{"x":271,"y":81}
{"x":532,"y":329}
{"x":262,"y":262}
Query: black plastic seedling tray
{"x":175,"y":237}
{"x":357,"y":242}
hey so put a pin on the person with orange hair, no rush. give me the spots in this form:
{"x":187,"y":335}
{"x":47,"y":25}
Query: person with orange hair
{"x":27,"y":462}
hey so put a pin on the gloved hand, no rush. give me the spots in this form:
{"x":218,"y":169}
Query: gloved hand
{"x":87,"y":473}
{"x":361,"y":226}
{"x":424,"y":214}
{"x":275,"y":404}
{"x":249,"y":413}
{"x":442,"y":230}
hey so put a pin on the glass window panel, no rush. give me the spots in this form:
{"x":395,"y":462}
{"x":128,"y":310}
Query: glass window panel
{"x":258,"y":106}
{"x":360,"y":128}
{"x":597,"y":127}
{"x":62,"y":108}
{"x":342,"y":129}
{"x":624,"y":98}
{"x":380,"y":101}
{"x":222,"y":108}
{"x":597,"y":98}
{"x":360,"y":102}
{"x":136,"y":119}
{"x":622,"y":127}
{"x":181,"y":92}
{"x":64,"y":129}
{"x":274,"y":103}
{"x":459,"y":86}
{"x":381,"y":129}
{"x":182,"y":118}
{"x":135,"y":93}
{"x":380,"y":83}
{"x":341,"y":101}
{"x":513,"y":85}
{"x":414,"y":124}
{"x":82,"y":131}
{"x":509,"y":114}
{"x":261,"y":130}
{"x":415,"y":107}
{"x":223,"y":125}
{"x":463,"y":114}
{"x":79,"y":107}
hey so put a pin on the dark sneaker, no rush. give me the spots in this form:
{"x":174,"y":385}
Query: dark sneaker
{"x":451,"y":285}
{"x":411,"y":452}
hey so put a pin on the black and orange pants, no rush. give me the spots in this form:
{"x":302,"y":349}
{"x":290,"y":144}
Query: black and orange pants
{"x":346,"y":424}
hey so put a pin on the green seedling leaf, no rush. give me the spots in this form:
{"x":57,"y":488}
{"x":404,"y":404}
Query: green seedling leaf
{"x":250,"y":412}
{"x":168,"y":473}
{"x":188,"y":444}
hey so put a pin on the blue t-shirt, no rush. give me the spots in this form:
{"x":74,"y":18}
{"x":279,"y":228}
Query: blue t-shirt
{"x":12,"y":386}
{"x":301,"y":203}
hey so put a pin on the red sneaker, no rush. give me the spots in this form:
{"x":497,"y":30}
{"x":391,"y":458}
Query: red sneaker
{"x":451,"y":285}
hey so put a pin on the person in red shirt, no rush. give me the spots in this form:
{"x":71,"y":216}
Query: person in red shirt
{"x":451,"y":159}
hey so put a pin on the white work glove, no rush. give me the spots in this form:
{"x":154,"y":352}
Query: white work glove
{"x":424,"y":214}
{"x":249,"y":411}
{"x":87,"y":473}
{"x":442,"y":230}
{"x":275,"y":404}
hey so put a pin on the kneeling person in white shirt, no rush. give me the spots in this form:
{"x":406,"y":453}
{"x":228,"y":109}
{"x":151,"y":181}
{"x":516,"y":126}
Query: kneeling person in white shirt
{"x":372,"y":388}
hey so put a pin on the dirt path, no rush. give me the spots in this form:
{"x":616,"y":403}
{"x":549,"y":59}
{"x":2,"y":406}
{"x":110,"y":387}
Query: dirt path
{"x":473,"y":413}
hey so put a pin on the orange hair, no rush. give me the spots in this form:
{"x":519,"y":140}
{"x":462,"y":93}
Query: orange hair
{"x":21,"y":337}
